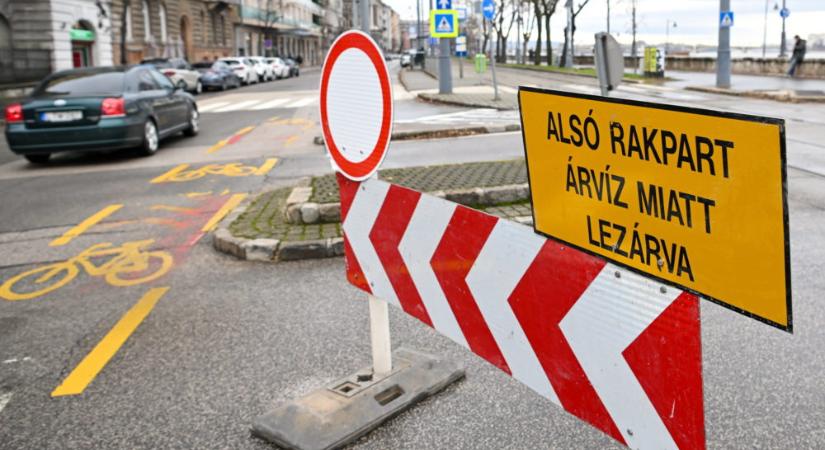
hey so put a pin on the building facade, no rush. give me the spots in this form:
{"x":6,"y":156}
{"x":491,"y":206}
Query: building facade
{"x":38,"y":37}
{"x":289,"y":28}
{"x":197,"y":30}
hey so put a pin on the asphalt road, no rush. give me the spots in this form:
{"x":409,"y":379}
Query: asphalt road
{"x":229,"y":339}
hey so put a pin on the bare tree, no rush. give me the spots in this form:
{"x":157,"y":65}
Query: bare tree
{"x":503,"y":24}
{"x":269,"y":15}
{"x":544,"y":9}
{"x":529,"y":23}
{"x":572,"y":24}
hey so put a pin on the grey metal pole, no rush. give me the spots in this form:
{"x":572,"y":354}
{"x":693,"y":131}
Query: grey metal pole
{"x":518,"y":38}
{"x":493,"y":66}
{"x":782,"y":42}
{"x":765,"y":32}
{"x":723,"y":52}
{"x":445,"y":76}
{"x":418,"y":27}
{"x":365,"y":16}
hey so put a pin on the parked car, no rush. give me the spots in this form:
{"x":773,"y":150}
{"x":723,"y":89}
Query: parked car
{"x":294,"y":71}
{"x":263,"y":68}
{"x":179,"y":71}
{"x":99,"y":108}
{"x":406,"y":60}
{"x":279,"y":67}
{"x":217,"y":75}
{"x":243,"y":68}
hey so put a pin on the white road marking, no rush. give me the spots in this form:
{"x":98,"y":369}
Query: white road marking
{"x":4,"y":400}
{"x":270,"y":104}
{"x":237,"y":106}
{"x":210,"y":106}
{"x":424,"y":233}
{"x":492,"y":283}
{"x":605,"y":320}
{"x":302,"y":102}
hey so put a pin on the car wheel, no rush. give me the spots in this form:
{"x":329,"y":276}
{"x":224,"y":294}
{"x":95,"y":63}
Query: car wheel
{"x":194,"y":124}
{"x":151,"y":140}
{"x":199,"y":88}
{"x":181,"y":85}
{"x":40,"y":158}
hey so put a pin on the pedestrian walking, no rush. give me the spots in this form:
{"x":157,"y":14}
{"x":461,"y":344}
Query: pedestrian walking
{"x":798,"y":55}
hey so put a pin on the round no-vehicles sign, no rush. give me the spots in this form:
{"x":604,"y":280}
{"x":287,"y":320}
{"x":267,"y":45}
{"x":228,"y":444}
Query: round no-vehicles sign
{"x":356,"y":105}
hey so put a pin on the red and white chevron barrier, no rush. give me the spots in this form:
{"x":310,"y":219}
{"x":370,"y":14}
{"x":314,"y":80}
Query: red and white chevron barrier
{"x":614,"y":348}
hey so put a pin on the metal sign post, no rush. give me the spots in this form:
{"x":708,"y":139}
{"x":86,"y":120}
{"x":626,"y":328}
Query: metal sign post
{"x":488,"y":9}
{"x":609,"y":62}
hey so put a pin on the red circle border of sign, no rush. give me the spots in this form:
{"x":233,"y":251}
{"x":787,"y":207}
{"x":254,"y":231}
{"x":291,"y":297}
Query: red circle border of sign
{"x":359,"y":40}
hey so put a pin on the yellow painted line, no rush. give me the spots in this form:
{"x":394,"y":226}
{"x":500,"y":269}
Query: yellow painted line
{"x":228,"y":206}
{"x":243,"y":131}
{"x":170,"y":174}
{"x":85,"y":225}
{"x":267,"y":166}
{"x":172,"y":208}
{"x":96,"y":360}
{"x":217,"y":146}
{"x":197,"y":194}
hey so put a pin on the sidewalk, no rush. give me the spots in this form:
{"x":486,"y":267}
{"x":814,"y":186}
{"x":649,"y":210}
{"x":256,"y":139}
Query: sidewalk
{"x":273,"y":227}
{"x":470,"y":91}
{"x":756,"y":86}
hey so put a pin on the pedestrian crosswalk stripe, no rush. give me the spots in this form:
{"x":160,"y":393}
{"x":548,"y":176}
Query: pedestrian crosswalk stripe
{"x":303,"y":102}
{"x":271,"y":104}
{"x":236,"y":106}
{"x":211,"y":106}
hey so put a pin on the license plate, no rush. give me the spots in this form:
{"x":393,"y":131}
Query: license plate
{"x":61,"y":116}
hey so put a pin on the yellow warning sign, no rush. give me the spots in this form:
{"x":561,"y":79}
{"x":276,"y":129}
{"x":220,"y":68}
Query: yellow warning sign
{"x":697,"y":198}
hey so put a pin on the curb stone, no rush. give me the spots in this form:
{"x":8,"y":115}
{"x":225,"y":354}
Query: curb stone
{"x":443,"y":133}
{"x":331,"y":212}
{"x":787,"y":96}
{"x":270,"y":250}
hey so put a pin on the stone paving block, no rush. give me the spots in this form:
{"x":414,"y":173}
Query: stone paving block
{"x":260,"y":249}
{"x":293,"y":251}
{"x":330,"y":212}
{"x":310,"y":213}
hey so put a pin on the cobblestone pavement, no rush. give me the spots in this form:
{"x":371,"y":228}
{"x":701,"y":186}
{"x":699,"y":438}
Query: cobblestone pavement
{"x":264,"y":218}
{"x":435,"y":178}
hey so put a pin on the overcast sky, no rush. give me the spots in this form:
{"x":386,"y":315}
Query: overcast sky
{"x":696,"y":20}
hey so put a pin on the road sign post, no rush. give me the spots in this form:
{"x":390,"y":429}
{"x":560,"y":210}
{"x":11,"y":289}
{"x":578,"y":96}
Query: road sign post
{"x":609,"y":62}
{"x":696,"y":198}
{"x":444,"y":25}
{"x":723,"y":52}
{"x":488,"y":9}
{"x":356,"y":121}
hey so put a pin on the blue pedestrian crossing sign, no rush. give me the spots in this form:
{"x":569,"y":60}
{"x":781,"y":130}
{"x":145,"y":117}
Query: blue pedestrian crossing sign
{"x":443,"y":23}
{"x":726,"y":19}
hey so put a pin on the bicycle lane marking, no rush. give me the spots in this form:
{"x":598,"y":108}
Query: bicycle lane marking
{"x":91,"y":365}
{"x":181,"y":174}
{"x":84,"y":226}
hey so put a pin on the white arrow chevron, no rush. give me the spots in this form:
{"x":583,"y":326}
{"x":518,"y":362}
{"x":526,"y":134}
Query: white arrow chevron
{"x":424,"y":232}
{"x":605,"y":320}
{"x":359,"y":222}
{"x":506,"y":256}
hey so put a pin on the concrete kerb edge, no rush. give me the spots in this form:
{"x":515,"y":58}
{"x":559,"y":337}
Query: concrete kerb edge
{"x":439,"y":132}
{"x":778,"y":95}
{"x":270,"y":250}
{"x":427,"y":97}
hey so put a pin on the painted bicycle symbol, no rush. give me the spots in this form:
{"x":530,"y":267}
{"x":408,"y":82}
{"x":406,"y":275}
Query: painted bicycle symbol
{"x":184,"y":173}
{"x":126,"y":265}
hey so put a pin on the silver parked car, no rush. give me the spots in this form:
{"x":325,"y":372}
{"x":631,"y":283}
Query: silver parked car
{"x":182,"y":74}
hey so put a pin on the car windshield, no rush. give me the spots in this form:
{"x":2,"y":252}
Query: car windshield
{"x":82,"y":83}
{"x":204,"y":65}
{"x":231,"y":62}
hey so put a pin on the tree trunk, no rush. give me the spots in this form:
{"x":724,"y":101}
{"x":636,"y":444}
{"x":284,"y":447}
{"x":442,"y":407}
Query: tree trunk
{"x":496,"y":54}
{"x":537,"y":55}
{"x":549,"y":42}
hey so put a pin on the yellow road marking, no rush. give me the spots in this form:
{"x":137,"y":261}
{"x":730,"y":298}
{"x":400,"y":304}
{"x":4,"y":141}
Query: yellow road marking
{"x":291,"y":139}
{"x":170,"y":174}
{"x":217,"y":146}
{"x":231,"y":203}
{"x":243,"y":131}
{"x":96,"y":360}
{"x":267,"y":166}
{"x":85,"y":225}
{"x":197,"y":194}
{"x":172,"y":208}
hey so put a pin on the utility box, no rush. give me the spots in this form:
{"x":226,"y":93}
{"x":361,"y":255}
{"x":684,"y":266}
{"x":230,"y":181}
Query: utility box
{"x":481,"y":63}
{"x":609,"y":62}
{"x":653,"y":64}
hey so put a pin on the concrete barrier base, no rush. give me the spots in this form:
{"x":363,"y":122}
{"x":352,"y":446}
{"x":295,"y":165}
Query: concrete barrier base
{"x":349,"y":408}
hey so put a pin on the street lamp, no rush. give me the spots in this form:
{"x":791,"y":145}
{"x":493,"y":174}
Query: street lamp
{"x":668,"y":24}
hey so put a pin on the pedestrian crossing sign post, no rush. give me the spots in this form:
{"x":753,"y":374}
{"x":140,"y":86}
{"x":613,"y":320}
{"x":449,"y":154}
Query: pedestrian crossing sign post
{"x":726,"y":19}
{"x":444,"y":23}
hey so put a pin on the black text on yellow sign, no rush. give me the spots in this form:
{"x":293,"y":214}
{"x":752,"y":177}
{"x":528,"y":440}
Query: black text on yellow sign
{"x":694,"y":197}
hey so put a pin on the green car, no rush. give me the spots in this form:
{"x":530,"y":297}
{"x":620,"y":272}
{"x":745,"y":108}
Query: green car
{"x":99,"y":109}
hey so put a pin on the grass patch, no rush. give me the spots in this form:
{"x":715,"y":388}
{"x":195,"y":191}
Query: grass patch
{"x":585,"y":71}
